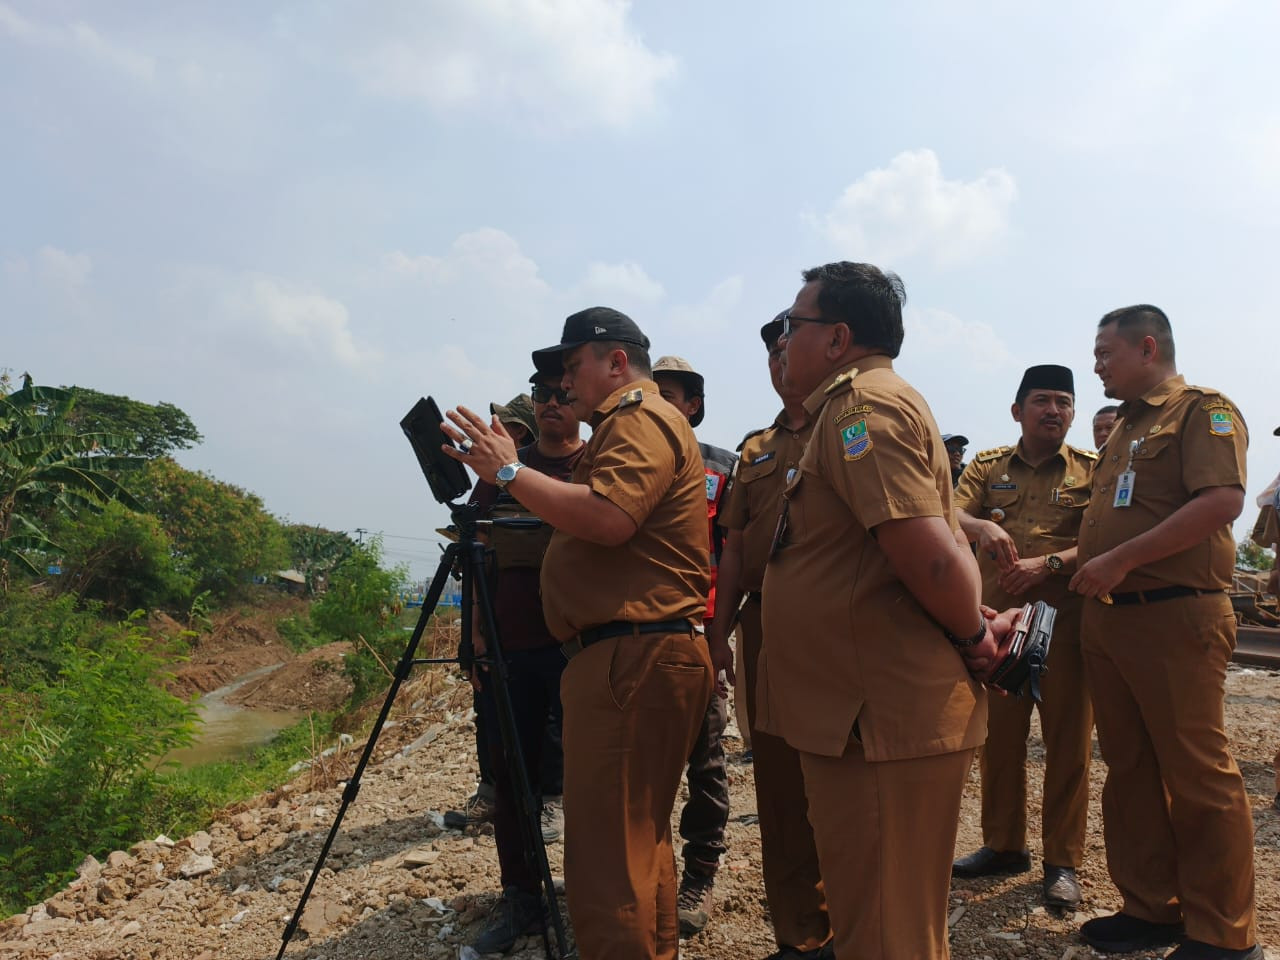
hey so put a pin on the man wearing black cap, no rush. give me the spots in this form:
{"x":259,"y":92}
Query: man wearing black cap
{"x":792,"y":880}
{"x":956,"y":444}
{"x":1021,"y":506}
{"x":706,"y":812}
{"x":624,"y":583}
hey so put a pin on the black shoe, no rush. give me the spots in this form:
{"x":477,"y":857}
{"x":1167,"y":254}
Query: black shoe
{"x":985,"y":862}
{"x":516,"y":914}
{"x":1121,"y":933}
{"x":1199,"y":950}
{"x":1060,"y":887}
{"x":1276,"y":802}
{"x":824,"y":952}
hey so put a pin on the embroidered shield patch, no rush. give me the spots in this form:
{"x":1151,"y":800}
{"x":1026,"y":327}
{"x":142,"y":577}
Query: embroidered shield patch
{"x":856,"y":440}
{"x":1221,"y":423}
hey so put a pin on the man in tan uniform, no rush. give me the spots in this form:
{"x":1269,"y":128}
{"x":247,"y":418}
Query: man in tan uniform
{"x":624,"y":582}
{"x":1156,"y":557}
{"x":1021,"y":505}
{"x":872,"y":623}
{"x":792,"y":882}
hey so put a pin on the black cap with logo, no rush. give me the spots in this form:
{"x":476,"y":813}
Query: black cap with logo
{"x":595,"y":324}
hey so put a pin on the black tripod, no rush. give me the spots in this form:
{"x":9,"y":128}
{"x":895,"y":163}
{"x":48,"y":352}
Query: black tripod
{"x":465,"y":559}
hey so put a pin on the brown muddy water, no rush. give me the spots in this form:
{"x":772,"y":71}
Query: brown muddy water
{"x":227,"y":731}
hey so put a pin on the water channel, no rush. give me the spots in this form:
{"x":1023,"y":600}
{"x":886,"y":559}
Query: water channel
{"x":227,"y":731}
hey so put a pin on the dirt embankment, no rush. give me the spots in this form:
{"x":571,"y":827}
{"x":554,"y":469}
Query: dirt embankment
{"x":397,"y":886}
{"x":234,"y":643}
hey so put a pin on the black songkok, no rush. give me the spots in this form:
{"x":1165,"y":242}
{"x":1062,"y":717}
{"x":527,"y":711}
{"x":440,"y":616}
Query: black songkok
{"x":1046,"y":376}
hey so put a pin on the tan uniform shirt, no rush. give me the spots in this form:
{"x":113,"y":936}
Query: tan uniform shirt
{"x":642,"y":457}
{"x":844,"y":639}
{"x":755,"y":498}
{"x":1192,"y":438}
{"x":1040,"y":507}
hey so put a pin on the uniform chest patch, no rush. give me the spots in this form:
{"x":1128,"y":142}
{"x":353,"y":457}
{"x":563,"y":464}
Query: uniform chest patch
{"x":764,"y":457}
{"x":1221,"y":423}
{"x":856,"y":440}
{"x":1004,"y":486}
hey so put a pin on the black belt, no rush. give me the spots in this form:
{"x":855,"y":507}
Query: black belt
{"x":619,"y":628}
{"x":1158,"y":594}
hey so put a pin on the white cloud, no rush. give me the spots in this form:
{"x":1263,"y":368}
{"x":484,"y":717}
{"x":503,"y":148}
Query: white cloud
{"x":78,"y":37}
{"x":486,"y":256}
{"x":560,"y":63}
{"x":68,"y":271}
{"x":909,"y":209}
{"x":710,"y":316}
{"x":317,"y":324}
{"x":971,"y":345}
{"x":629,"y":281}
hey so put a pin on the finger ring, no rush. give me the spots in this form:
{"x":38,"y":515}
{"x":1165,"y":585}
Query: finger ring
{"x":465,"y":446}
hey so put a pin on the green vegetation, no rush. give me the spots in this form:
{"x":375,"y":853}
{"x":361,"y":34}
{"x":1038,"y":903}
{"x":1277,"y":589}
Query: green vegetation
{"x":97,"y":523}
{"x":1253,"y":557}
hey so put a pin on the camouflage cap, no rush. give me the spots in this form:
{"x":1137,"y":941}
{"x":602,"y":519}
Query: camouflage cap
{"x":519,"y":409}
{"x":681,"y":369}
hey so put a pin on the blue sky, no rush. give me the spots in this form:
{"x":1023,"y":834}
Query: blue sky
{"x":291,"y":220}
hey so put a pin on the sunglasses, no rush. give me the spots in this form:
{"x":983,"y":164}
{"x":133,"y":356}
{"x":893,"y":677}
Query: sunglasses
{"x":543,"y":394}
{"x":789,"y":323}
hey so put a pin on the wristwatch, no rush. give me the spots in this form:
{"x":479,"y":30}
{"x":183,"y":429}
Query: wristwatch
{"x":965,"y":642}
{"x":506,"y":473}
{"x":1054,"y":563}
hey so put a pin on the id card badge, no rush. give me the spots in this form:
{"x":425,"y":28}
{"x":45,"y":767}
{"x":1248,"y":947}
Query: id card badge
{"x":1124,"y":489}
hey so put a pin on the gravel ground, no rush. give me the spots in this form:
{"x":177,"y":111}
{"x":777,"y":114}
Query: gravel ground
{"x":396,"y":886}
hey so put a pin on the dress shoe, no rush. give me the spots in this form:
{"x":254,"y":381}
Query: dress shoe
{"x":1121,"y":933}
{"x":985,"y":862}
{"x":1199,"y":950}
{"x":1060,"y":887}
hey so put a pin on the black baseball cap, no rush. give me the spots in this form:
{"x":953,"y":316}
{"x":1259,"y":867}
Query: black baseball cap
{"x":595,"y":324}
{"x":772,"y":330}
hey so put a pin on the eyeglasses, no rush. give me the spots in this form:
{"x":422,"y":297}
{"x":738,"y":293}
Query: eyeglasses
{"x":789,"y":323}
{"x":543,"y":394}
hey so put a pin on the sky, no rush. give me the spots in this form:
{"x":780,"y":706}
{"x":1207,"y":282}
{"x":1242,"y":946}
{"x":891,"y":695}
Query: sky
{"x":292,"y":220}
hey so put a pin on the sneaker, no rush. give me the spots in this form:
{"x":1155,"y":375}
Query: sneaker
{"x":552,"y":819}
{"x":479,"y":808}
{"x":514,"y":915}
{"x":695,"y":902}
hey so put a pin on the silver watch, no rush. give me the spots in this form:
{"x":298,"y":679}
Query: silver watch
{"x":506,"y":473}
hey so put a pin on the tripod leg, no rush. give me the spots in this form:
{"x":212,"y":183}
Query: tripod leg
{"x":530,"y":821}
{"x":403,"y":669}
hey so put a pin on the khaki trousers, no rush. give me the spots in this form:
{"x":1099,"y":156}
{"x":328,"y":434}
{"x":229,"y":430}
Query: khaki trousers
{"x":1176,"y":817}
{"x":632,"y":708}
{"x":1066,"y":721}
{"x":886,"y":833}
{"x":792,"y":880}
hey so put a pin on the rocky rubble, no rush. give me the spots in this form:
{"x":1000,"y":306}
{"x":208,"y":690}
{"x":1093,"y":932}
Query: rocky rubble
{"x":397,"y":886}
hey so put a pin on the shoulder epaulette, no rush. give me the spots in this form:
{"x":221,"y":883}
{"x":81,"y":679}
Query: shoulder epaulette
{"x":750,"y":433}
{"x":1087,"y":454}
{"x":841,"y":381}
{"x":986,"y":456}
{"x":630,"y":398}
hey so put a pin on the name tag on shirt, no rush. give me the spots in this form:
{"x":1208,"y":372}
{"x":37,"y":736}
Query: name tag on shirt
{"x":1124,"y":489}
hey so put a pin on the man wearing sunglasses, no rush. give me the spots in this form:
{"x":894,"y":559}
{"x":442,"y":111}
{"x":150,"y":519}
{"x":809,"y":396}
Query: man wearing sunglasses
{"x":873,"y":632}
{"x":792,"y":881}
{"x":534,"y":665}
{"x":624,"y":583}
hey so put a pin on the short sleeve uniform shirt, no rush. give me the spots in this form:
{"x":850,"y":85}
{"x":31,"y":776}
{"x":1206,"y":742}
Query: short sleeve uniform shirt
{"x":844,"y":640}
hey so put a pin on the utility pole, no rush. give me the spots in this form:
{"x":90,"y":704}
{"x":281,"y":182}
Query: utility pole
{"x":360,"y":532}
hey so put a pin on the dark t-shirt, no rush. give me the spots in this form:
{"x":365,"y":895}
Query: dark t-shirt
{"x":517,"y":601}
